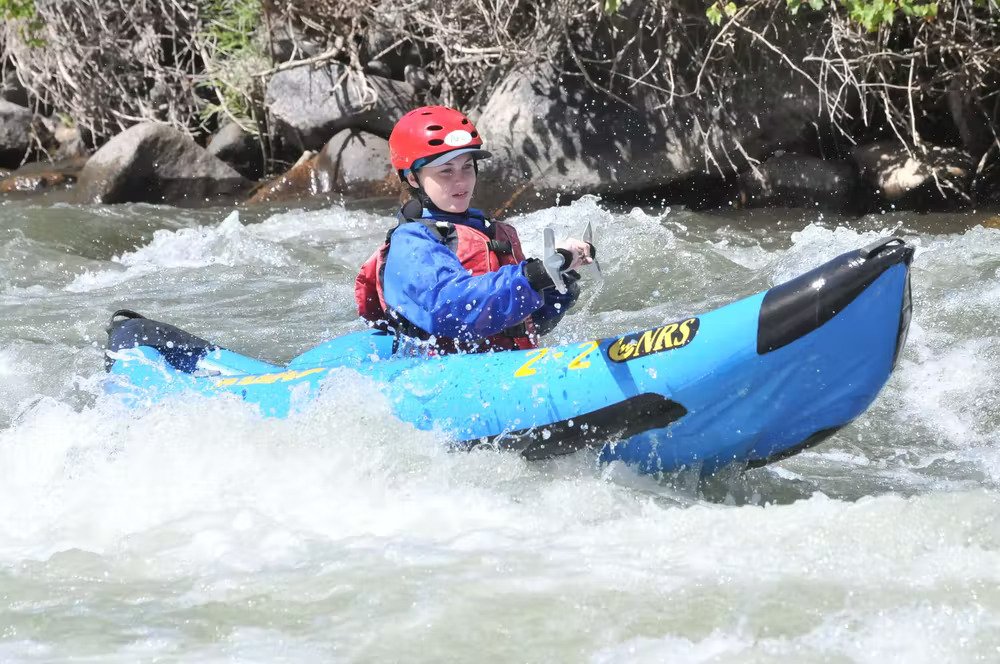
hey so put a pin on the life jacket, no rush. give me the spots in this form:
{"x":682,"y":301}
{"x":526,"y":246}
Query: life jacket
{"x":478,"y":253}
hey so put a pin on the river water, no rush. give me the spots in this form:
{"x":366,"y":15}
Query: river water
{"x":197,"y":531}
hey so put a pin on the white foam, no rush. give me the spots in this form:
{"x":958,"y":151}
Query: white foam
{"x":814,"y":245}
{"x":16,"y":382}
{"x":200,"y":530}
{"x":319,"y":226}
{"x":229,"y":243}
{"x":940,"y":388}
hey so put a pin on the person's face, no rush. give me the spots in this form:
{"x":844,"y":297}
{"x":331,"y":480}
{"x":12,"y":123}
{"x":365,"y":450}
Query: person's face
{"x":449,"y":185}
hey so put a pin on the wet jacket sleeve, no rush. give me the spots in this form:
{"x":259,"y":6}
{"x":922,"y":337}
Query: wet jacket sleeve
{"x":425,"y":282}
{"x":556,"y":304}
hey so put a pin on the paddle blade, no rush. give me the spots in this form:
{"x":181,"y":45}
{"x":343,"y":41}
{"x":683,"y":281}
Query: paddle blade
{"x":594,"y":269}
{"x":552,"y":260}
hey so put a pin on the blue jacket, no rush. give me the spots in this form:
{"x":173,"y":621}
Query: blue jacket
{"x":425,"y":282}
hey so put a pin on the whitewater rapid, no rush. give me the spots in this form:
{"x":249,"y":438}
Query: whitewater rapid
{"x":199,"y":531}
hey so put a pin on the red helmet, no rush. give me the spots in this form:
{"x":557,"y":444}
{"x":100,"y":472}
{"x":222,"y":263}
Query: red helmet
{"x":433,"y":135}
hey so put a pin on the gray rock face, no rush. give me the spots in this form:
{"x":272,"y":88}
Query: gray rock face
{"x":384,"y":56}
{"x":354,"y":163}
{"x":11,"y":90}
{"x":986,"y":184}
{"x":15,"y":133}
{"x":556,"y":138}
{"x":37,"y":177}
{"x":792,"y":180}
{"x":239,"y":149}
{"x":288,"y":42}
{"x":930,"y":178}
{"x":68,"y":141}
{"x":550,"y":140}
{"x":155,"y":163}
{"x":308,"y":106}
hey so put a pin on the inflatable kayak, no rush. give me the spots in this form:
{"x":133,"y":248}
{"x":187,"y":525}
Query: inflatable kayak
{"x":755,"y":381}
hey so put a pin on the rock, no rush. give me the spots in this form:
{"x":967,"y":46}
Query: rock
{"x":356,"y":164}
{"x":32,"y":178}
{"x":288,"y":42}
{"x":12,"y":90}
{"x":792,"y":180}
{"x":307,"y":106}
{"x":15,"y":133}
{"x":238,"y":148}
{"x":552,"y":139}
{"x":556,"y":138}
{"x":37,"y":177}
{"x":353,"y":164}
{"x":156,"y":163}
{"x":931,"y":177}
{"x":971,"y":123}
{"x":986,"y":182}
{"x":71,"y":143}
{"x":68,"y":142}
{"x":417,"y":77}
{"x":378,"y":68}
{"x":382,"y":46}
{"x":297,"y":182}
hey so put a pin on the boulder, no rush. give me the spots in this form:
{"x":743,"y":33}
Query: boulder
{"x":67,"y":139}
{"x":238,"y":148}
{"x":12,"y":90}
{"x":382,"y":53}
{"x":555,"y":138}
{"x":352,"y":164}
{"x":929,"y":177}
{"x":417,"y":77}
{"x":72,"y":144}
{"x":308,"y":105}
{"x":986,"y":183}
{"x":551,"y":138}
{"x":156,"y":163}
{"x":356,"y":164}
{"x":288,"y":42}
{"x":297,"y":182}
{"x":37,"y":177}
{"x":16,"y":124}
{"x":793,"y":180}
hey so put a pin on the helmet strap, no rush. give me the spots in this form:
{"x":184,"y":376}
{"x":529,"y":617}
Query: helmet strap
{"x":418,"y":192}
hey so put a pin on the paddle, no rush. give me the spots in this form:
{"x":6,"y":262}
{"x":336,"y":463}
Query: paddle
{"x":553,"y":261}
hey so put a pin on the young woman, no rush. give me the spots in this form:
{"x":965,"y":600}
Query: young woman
{"x":447,"y":279}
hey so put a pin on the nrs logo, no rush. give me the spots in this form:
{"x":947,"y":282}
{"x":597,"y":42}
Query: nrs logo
{"x":640,"y":344}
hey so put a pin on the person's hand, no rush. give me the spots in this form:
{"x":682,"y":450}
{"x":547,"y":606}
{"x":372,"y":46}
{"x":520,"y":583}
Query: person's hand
{"x":576,"y":253}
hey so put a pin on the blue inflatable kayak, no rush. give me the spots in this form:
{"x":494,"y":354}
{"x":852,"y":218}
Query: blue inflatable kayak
{"x":755,"y":381}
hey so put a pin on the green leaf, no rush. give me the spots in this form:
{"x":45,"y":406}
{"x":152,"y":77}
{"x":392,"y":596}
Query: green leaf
{"x":714,"y":14}
{"x":887,"y":14}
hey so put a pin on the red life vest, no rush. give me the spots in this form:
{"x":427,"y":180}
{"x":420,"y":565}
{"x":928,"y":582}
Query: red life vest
{"x":479,"y":255}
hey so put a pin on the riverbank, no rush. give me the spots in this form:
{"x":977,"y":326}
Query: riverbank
{"x":709,"y":106}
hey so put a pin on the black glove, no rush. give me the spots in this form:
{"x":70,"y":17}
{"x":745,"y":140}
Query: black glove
{"x":534,"y":271}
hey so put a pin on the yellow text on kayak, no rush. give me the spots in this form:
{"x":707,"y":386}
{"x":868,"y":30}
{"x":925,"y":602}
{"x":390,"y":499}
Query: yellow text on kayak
{"x":267,"y":379}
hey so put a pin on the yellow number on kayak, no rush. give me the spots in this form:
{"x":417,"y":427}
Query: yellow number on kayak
{"x":526,"y":369}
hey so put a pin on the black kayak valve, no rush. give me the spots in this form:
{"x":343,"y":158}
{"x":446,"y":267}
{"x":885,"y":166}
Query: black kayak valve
{"x":122,"y":314}
{"x":879,"y":245}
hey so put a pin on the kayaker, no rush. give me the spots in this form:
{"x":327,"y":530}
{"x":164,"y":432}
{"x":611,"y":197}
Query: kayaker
{"x":448,"y":279}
